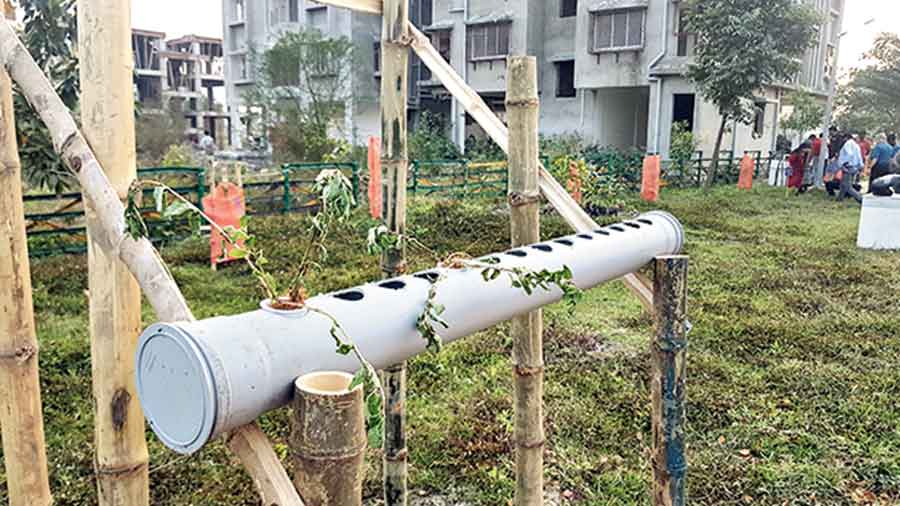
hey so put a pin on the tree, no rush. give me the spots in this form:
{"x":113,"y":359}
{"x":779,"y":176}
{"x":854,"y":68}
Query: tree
{"x":302,"y":89}
{"x":742,"y":47}
{"x":870,"y":100}
{"x":806,"y":115}
{"x":51,"y":32}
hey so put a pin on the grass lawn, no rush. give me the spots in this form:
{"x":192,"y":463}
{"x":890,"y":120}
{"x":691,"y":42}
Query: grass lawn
{"x":794,"y":365}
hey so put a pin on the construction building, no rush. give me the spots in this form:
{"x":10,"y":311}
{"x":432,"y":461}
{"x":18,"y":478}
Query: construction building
{"x":610,"y":70}
{"x":182,"y":75}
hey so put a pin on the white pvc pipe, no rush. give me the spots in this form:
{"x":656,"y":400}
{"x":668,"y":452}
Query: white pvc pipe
{"x":197,"y":380}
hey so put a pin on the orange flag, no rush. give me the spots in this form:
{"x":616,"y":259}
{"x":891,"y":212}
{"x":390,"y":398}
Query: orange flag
{"x":375,"y":177}
{"x":650,"y":178}
{"x":748,"y":166}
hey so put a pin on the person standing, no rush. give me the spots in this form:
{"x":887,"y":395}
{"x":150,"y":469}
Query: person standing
{"x":850,"y":162}
{"x":797,"y":162}
{"x":865,"y":145}
{"x":881,"y":157}
{"x":818,"y":161}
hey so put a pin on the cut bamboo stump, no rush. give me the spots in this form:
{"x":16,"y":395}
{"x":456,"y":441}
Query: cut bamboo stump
{"x":328,"y":439}
{"x":527,"y":330}
{"x":21,"y":418}
{"x":395,"y":161}
{"x":667,"y":383}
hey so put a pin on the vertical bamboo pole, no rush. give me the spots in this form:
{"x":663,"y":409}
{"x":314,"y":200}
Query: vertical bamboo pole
{"x":667,"y":383}
{"x":20,"y":391}
{"x":328,"y":439}
{"x":394,"y":91}
{"x":107,"y":115}
{"x":527,"y":330}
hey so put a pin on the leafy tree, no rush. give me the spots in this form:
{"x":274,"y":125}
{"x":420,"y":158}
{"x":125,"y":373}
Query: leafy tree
{"x":742,"y":47}
{"x":870,"y":100}
{"x":683,"y":146}
{"x":50,"y":35}
{"x":806,"y":115}
{"x":301,"y":90}
{"x":428,"y":140}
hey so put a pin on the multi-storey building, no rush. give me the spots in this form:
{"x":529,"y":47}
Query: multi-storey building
{"x":610,"y":70}
{"x":182,"y":74}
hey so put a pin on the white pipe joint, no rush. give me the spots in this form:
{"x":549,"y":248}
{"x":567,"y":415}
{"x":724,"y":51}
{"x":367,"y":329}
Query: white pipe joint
{"x":198,"y":380}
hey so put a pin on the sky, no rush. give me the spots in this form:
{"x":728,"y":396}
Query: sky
{"x":204,"y":17}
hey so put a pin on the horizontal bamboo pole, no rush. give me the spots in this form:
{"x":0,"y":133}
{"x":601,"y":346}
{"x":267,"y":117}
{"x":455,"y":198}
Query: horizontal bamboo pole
{"x":140,"y":256}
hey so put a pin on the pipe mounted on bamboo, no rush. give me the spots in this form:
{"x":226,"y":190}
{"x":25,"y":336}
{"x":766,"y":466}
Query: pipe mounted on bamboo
{"x":197,"y":380}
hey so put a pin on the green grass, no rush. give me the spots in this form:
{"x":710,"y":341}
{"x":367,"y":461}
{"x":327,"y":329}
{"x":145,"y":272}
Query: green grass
{"x":794,"y":384}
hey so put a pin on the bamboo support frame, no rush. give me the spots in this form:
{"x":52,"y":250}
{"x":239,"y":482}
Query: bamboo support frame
{"x":121,"y":460}
{"x":667,"y":382}
{"x":21,"y":417}
{"x":249,"y":444}
{"x":395,"y":160}
{"x":527,"y":330}
{"x":328,"y":439}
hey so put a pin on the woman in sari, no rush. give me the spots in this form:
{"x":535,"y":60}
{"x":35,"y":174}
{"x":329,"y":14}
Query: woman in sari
{"x":797,"y":161}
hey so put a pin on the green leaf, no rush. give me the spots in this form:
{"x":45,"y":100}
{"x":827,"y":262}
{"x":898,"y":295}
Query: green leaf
{"x":238,"y":254}
{"x":159,"y":197}
{"x":176,"y":209}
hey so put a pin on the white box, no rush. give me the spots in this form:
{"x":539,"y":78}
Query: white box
{"x":879,"y":223}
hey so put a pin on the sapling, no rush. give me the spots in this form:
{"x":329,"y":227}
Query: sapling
{"x":336,"y":204}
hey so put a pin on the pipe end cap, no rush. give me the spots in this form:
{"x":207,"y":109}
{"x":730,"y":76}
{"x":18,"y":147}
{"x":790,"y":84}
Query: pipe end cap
{"x":175,"y":387}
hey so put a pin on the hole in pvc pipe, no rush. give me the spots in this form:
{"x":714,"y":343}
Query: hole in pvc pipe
{"x":585,"y":236}
{"x":325,"y":383}
{"x":517,"y":253}
{"x":645,"y":221}
{"x":351,"y":296}
{"x":430,"y":276}
{"x":393,"y":285}
{"x":542,"y":247}
{"x":564,"y":241}
{"x":617,"y":228}
{"x":490,"y":260}
{"x":632,"y":224}
{"x":601,"y":231}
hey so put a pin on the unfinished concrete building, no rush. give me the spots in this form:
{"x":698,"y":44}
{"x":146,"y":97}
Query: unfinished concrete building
{"x":182,"y":75}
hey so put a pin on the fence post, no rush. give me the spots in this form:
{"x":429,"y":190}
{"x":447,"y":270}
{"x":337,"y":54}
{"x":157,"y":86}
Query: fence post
{"x":286,"y":181}
{"x":328,"y":439}
{"x":201,"y":187}
{"x":354,"y":181}
{"x":527,"y":329}
{"x":415,"y":177}
{"x":667,"y":383}
{"x":465,"y":178}
{"x":699,"y":168}
{"x":756,"y":165}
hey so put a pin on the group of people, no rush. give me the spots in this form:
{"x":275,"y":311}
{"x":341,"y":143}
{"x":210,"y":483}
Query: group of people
{"x":839,"y":163}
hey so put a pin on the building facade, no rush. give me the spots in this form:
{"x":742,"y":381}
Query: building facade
{"x":183,"y":75}
{"x":609,"y":70}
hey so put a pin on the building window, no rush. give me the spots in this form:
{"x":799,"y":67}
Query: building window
{"x":294,"y":11}
{"x":420,"y":12}
{"x":441,"y":41}
{"x":568,"y":8}
{"x":488,"y":42}
{"x":238,"y":10}
{"x":685,"y":37}
{"x":618,"y":30}
{"x":243,"y":70}
{"x":759,"y":120}
{"x":683,"y":110}
{"x":565,"y":79}
{"x":317,"y":17}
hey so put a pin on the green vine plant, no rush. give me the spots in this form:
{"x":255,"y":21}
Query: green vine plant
{"x":429,"y":322}
{"x":336,"y":203}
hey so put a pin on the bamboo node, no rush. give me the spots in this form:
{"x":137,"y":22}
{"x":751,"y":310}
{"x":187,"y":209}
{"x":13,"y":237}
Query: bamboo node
{"x":398,"y":456}
{"x":519,"y":199}
{"x":21,"y":354}
{"x":120,"y":471}
{"x":530,"y":103}
{"x":530,"y":445}
{"x":523,"y":371}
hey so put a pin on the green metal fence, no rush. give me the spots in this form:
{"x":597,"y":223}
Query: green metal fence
{"x":56,"y":224}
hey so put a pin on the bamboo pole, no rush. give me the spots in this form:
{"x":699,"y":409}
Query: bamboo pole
{"x":107,"y":116}
{"x":394,"y":91}
{"x":328,"y":439}
{"x":527,"y":330}
{"x":21,"y":419}
{"x":249,"y":443}
{"x":667,"y":383}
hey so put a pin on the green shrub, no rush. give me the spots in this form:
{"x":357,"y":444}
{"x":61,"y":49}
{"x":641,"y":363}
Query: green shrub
{"x":429,"y":140}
